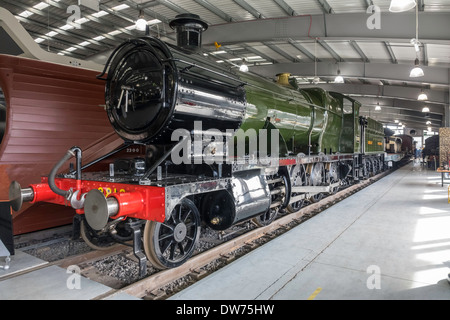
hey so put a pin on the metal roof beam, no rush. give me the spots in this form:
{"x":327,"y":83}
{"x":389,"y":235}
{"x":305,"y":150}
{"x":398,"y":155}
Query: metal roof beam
{"x":249,"y":8}
{"x":387,"y":117}
{"x":388,"y":92}
{"x":368,"y":3}
{"x":361,"y":53}
{"x":258,"y":53}
{"x":434,"y":75}
{"x":215,"y":10}
{"x":55,"y":49}
{"x":402,"y":109}
{"x":413,"y":107}
{"x":56,"y":29}
{"x":147,"y":11}
{"x":330,"y":50}
{"x":287,"y":8}
{"x":102,"y":21}
{"x":302,"y":49}
{"x":396,"y":28}
{"x":388,"y":114}
{"x":280,"y":52}
{"x":326,"y":8}
{"x":421,"y":5}
{"x":425,"y":54}
{"x":45,"y":27}
{"x":167,"y":3}
{"x":390,"y":52}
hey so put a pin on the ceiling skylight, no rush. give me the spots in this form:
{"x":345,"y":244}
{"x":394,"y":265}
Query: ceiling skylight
{"x":41,"y":5}
{"x":120,"y":7}
{"x":114,"y":33}
{"x":25,"y":14}
{"x":51,"y":34}
{"x":100,"y":14}
{"x":99,"y":38}
{"x":66,"y":27}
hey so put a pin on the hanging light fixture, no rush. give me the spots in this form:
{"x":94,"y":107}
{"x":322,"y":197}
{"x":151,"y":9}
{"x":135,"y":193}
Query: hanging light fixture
{"x":428,"y":122}
{"x":422,"y":96}
{"x":426,"y":109}
{"x":402,"y":5}
{"x":243,"y":67}
{"x":378,"y":108}
{"x":417,"y":71}
{"x":141,"y":23}
{"x":339,"y":78}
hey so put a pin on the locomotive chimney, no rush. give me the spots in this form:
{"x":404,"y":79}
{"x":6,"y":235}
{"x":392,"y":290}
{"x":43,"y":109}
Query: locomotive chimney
{"x":189,"y":28}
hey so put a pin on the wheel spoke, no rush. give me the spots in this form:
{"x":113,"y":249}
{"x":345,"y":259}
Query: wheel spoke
{"x":179,"y":213}
{"x":172,"y":251}
{"x":180,"y":246}
{"x":191,"y":224}
{"x":167,"y":226}
{"x":172,"y":217}
{"x":166,"y":236}
{"x":164,"y":248}
{"x":188,"y":213}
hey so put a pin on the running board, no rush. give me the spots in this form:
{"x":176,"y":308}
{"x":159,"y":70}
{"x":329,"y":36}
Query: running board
{"x":315,"y":189}
{"x":312,"y":190}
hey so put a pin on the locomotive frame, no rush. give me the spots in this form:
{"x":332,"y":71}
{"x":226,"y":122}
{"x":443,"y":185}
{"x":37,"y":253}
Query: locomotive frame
{"x":122,"y":208}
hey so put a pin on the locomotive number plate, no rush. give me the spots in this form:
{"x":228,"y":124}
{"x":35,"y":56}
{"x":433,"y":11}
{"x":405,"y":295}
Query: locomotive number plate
{"x":107,"y":191}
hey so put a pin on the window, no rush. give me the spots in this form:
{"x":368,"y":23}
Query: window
{"x":347,"y":106}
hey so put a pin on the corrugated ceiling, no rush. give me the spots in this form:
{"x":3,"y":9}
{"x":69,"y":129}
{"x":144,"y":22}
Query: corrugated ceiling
{"x":101,"y":31}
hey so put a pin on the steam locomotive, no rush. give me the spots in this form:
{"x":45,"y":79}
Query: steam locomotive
{"x":219,"y":147}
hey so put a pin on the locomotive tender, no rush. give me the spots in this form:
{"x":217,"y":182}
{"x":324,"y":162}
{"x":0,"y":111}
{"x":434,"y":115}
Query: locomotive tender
{"x":179,"y":105}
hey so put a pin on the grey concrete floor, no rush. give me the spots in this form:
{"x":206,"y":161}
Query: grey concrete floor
{"x":388,"y":241}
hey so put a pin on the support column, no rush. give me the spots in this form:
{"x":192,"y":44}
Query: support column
{"x":447,"y":106}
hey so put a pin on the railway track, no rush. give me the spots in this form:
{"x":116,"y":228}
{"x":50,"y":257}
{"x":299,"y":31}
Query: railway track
{"x":216,"y":251}
{"x":152,"y":287}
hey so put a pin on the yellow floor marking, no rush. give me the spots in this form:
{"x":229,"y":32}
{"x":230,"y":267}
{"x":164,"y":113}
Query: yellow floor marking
{"x":315,"y":293}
